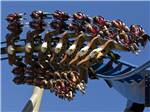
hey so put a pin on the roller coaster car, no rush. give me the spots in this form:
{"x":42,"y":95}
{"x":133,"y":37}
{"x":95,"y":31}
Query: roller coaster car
{"x":75,"y":51}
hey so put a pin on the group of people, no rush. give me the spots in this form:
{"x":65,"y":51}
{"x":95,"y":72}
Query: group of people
{"x":117,"y":30}
{"x":63,"y":84}
{"x":43,"y":68}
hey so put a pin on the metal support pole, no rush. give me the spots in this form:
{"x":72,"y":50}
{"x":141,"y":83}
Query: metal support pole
{"x":147,"y":89}
{"x":33,"y":104}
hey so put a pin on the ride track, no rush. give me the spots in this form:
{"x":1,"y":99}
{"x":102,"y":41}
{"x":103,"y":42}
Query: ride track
{"x":75,"y":48}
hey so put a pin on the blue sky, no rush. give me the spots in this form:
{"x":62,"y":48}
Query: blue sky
{"x":99,"y":96}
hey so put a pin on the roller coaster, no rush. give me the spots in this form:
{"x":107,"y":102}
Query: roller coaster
{"x":61,"y":52}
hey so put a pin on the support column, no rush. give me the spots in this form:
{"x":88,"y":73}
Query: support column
{"x":33,"y":104}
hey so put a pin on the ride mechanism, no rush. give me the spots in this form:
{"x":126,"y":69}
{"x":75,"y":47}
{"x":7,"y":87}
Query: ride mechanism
{"x":62,"y":52}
